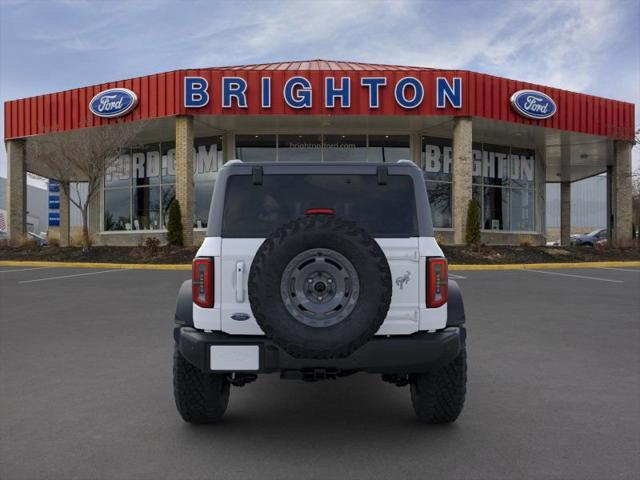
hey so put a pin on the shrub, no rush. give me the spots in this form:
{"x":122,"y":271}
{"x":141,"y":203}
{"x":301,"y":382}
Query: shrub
{"x":152,"y":246}
{"x":54,"y":242}
{"x":472,"y":234}
{"x":174,"y":226}
{"x":29,"y":243}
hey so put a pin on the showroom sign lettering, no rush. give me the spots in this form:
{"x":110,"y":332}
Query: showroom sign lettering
{"x":151,"y":163}
{"x":533,"y":104}
{"x":113,"y":103}
{"x":487,"y":164}
{"x":298,"y":93}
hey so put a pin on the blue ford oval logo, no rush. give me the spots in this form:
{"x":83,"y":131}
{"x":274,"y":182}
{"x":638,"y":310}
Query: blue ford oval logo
{"x":114,"y":102}
{"x":533,"y":104}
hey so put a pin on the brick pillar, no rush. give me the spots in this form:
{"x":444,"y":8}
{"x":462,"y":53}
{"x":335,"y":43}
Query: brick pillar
{"x":184,"y":174}
{"x":228,"y":147}
{"x":565,"y":213}
{"x":16,"y":191}
{"x":462,"y":174}
{"x":415,"y":148}
{"x":621,"y":185}
{"x":65,"y":216}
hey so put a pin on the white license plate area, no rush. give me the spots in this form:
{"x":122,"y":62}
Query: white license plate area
{"x":233,"y":358}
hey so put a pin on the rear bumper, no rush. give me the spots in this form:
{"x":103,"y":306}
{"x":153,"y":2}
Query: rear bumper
{"x":415,"y":353}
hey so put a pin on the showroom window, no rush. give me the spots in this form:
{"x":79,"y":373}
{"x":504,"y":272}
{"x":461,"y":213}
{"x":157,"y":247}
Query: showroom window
{"x":322,"y":148}
{"x":503,"y":183}
{"x":299,"y":148}
{"x":438,"y":175}
{"x":140,"y":185}
{"x":206,"y":163}
{"x":388,"y":148}
{"x":256,"y":148}
{"x":344,"y":148}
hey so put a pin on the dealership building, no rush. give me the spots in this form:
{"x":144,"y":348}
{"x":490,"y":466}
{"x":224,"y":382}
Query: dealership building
{"x":474,"y":136}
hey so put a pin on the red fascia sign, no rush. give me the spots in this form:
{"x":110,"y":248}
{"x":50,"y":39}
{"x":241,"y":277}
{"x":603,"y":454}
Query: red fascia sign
{"x":297,"y":92}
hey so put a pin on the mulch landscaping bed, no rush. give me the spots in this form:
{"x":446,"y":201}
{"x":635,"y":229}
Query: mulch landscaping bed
{"x":463,"y":255}
{"x":171,"y":255}
{"x":458,"y":255}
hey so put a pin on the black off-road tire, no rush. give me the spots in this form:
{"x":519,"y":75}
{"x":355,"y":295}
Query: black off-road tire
{"x":322,"y":232}
{"x":200,"y":397}
{"x":438,"y":397}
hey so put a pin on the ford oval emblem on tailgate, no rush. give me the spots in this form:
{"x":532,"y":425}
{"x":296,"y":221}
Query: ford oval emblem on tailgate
{"x":241,"y":316}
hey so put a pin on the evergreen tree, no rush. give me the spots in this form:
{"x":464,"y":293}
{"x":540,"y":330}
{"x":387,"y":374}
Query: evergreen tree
{"x":472,"y":235}
{"x":174,"y":227}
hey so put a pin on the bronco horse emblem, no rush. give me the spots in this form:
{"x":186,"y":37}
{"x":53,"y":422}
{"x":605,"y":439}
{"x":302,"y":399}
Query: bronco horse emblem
{"x":403,"y":280}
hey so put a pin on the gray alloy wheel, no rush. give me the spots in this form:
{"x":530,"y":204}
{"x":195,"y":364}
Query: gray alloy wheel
{"x":320,"y":287}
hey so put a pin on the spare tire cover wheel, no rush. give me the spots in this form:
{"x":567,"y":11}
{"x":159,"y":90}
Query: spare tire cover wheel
{"x":320,"y":287}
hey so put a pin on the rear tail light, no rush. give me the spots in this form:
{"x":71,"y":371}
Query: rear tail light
{"x":437,"y":282}
{"x":202,"y":282}
{"x":320,"y":211}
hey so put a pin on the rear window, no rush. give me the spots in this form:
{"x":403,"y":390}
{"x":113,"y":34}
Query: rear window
{"x":257,"y":210}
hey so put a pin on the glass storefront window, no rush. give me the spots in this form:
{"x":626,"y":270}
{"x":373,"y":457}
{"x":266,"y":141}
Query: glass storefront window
{"x":118,"y":174}
{"x":522,"y":167}
{"x":522,"y":208}
{"x":203,"y":192}
{"x":496,"y":208}
{"x":117,"y":205}
{"x":477,"y":155}
{"x":344,"y":148}
{"x":495,"y":165}
{"x":207,"y":162}
{"x":388,"y":148}
{"x":256,"y":148}
{"x":207,"y":158}
{"x":145,"y":165}
{"x":440,"y":202}
{"x":299,"y":148}
{"x":168,"y":162}
{"x":146,"y":208}
{"x":168,"y":195}
{"x":437,"y":157}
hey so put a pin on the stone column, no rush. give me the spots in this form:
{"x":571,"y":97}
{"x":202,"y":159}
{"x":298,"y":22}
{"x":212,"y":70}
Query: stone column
{"x":228,"y":147}
{"x":184,"y":174}
{"x":65,"y":216}
{"x":621,"y":184}
{"x":415,"y":147}
{"x":16,"y":191}
{"x":565,"y":213}
{"x":462,"y":175}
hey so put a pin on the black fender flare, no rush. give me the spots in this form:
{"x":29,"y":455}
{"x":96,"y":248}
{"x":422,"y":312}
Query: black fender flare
{"x":184,"y":305}
{"x":455,"y":305}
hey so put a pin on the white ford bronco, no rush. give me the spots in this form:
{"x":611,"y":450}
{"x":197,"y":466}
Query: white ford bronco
{"x":318,"y":271}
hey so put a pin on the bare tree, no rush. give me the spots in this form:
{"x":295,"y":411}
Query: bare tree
{"x":82,"y":156}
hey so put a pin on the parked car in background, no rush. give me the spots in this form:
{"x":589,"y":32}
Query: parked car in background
{"x":41,"y":240}
{"x":591,"y":239}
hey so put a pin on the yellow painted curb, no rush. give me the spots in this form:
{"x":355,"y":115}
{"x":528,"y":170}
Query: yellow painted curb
{"x":162,"y":266}
{"x":131,"y":266}
{"x":525,"y":266}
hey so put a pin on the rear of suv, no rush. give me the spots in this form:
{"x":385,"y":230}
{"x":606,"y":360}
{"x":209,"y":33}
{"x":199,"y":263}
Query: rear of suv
{"x":317,"y":271}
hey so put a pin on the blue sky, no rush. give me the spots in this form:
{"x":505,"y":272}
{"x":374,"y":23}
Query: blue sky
{"x":582,"y":45}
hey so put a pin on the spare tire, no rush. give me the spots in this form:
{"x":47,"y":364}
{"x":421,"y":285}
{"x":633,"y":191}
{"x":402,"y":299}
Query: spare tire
{"x":320,"y":287}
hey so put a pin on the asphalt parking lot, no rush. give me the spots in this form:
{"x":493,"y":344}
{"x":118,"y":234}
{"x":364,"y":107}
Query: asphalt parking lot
{"x":85,"y":388}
